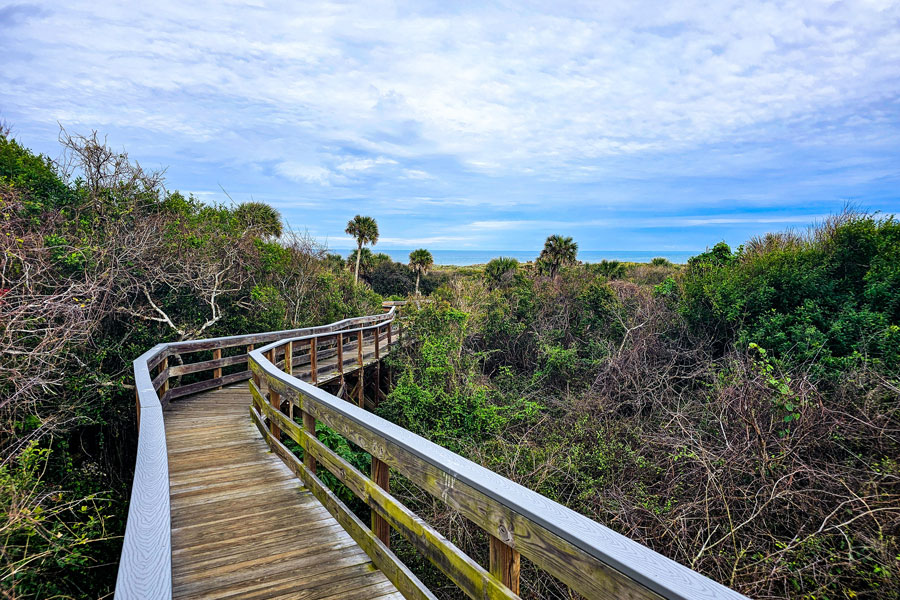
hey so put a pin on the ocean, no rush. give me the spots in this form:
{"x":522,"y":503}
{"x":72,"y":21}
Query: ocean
{"x":462,"y":258}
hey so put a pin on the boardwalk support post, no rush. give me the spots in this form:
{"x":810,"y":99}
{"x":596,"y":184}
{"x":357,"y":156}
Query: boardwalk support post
{"x":340,"y":359}
{"x":309,"y":424}
{"x":381,"y":475}
{"x":505,"y":564}
{"x":164,"y":366}
{"x":217,"y":372}
{"x":289,"y":358}
{"x":359,"y":358}
{"x":377,"y":364}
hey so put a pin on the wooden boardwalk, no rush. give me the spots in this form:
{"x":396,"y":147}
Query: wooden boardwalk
{"x":242,"y":524}
{"x":222,"y":508}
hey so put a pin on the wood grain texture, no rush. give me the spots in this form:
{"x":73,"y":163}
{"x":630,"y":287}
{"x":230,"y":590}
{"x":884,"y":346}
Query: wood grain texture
{"x":145,"y":564}
{"x":243,"y":526}
{"x":474,"y":580}
{"x":592,"y":559}
{"x":505,"y":564}
{"x":381,"y":476}
{"x":405,"y":581}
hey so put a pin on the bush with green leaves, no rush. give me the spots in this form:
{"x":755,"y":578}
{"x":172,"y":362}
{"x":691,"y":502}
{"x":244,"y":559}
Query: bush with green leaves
{"x":96,"y":270}
{"x":737,"y":415}
{"x":823,"y":303}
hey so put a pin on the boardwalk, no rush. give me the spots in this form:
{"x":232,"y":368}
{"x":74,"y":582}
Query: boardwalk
{"x":222,"y":508}
{"x":242,"y":525}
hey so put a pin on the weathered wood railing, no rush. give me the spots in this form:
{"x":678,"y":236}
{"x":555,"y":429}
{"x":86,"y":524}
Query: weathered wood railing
{"x":145,"y":567}
{"x":588,"y":557}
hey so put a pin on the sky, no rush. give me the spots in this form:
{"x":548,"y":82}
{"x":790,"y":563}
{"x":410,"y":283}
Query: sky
{"x":475,"y":125}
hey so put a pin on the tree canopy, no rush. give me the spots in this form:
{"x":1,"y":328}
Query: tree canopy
{"x":420,"y":261}
{"x":259,"y":218}
{"x":558,"y":251}
{"x":365,"y":230}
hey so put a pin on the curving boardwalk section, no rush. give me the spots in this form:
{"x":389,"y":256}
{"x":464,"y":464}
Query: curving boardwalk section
{"x":221,"y":507}
{"x":242,"y":524}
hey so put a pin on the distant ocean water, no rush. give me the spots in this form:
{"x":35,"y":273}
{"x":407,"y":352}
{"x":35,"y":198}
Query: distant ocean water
{"x":462,"y":258}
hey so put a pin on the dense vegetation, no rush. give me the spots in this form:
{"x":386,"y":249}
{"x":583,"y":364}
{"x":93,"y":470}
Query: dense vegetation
{"x":99,"y":263}
{"x":738,"y":414}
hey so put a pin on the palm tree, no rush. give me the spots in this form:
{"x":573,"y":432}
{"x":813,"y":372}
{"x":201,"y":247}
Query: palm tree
{"x":611,"y":269}
{"x":501,"y":271}
{"x":365,"y":230}
{"x":259,"y":218}
{"x":363,"y":259}
{"x":420,"y":260}
{"x":558,"y":251}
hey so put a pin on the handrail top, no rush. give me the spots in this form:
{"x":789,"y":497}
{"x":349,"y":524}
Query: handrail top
{"x":649,"y":568}
{"x":140,"y":363}
{"x":329,"y":327}
{"x":282,"y":341}
{"x":145,"y":562}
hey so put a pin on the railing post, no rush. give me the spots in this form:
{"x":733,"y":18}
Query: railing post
{"x":359,"y":357}
{"x":274,"y":400}
{"x":340,"y":356}
{"x":253,"y":374}
{"x":164,"y":366}
{"x":505,"y":564}
{"x":289,"y":358}
{"x":217,"y":372}
{"x":390,"y":375}
{"x":381,"y":475}
{"x":309,"y":424}
{"x":377,"y":362}
{"x":313,"y":364}
{"x":137,"y":409}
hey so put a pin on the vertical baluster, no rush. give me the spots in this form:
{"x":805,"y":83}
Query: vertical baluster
{"x":381,"y":475}
{"x":274,"y":400}
{"x":289,"y":358}
{"x":253,"y":374}
{"x":505,"y":564}
{"x":164,"y":366}
{"x":340,"y":357}
{"x":377,"y":363}
{"x":217,"y":372}
{"x":390,"y":374}
{"x":309,"y":424}
{"x":313,"y":363}
{"x":359,"y":358}
{"x":137,"y":408}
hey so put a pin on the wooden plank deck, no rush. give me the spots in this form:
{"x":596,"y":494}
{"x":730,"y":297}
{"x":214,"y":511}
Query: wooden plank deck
{"x":242,"y":524}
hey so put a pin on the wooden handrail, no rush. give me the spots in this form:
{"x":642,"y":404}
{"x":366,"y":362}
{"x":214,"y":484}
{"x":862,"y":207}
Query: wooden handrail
{"x":145,"y":565}
{"x":591,"y":559}
{"x":588,"y":557}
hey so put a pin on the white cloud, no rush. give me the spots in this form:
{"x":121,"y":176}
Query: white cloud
{"x":499,"y":225}
{"x":423,"y":241}
{"x":501,"y":89}
{"x":304,"y":173}
{"x":365,"y":164}
{"x":417,"y":174}
{"x":501,"y":122}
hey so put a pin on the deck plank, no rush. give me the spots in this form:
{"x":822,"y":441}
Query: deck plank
{"x":242,"y":525}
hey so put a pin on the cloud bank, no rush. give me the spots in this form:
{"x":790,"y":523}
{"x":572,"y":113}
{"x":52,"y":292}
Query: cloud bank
{"x":451,"y":122}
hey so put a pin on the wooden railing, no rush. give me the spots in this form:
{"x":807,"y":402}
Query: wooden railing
{"x":591,"y":559}
{"x":145,"y":565}
{"x":586,"y":556}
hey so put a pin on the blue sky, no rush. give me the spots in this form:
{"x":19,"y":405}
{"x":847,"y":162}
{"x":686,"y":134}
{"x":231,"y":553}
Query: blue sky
{"x":627,"y":125}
